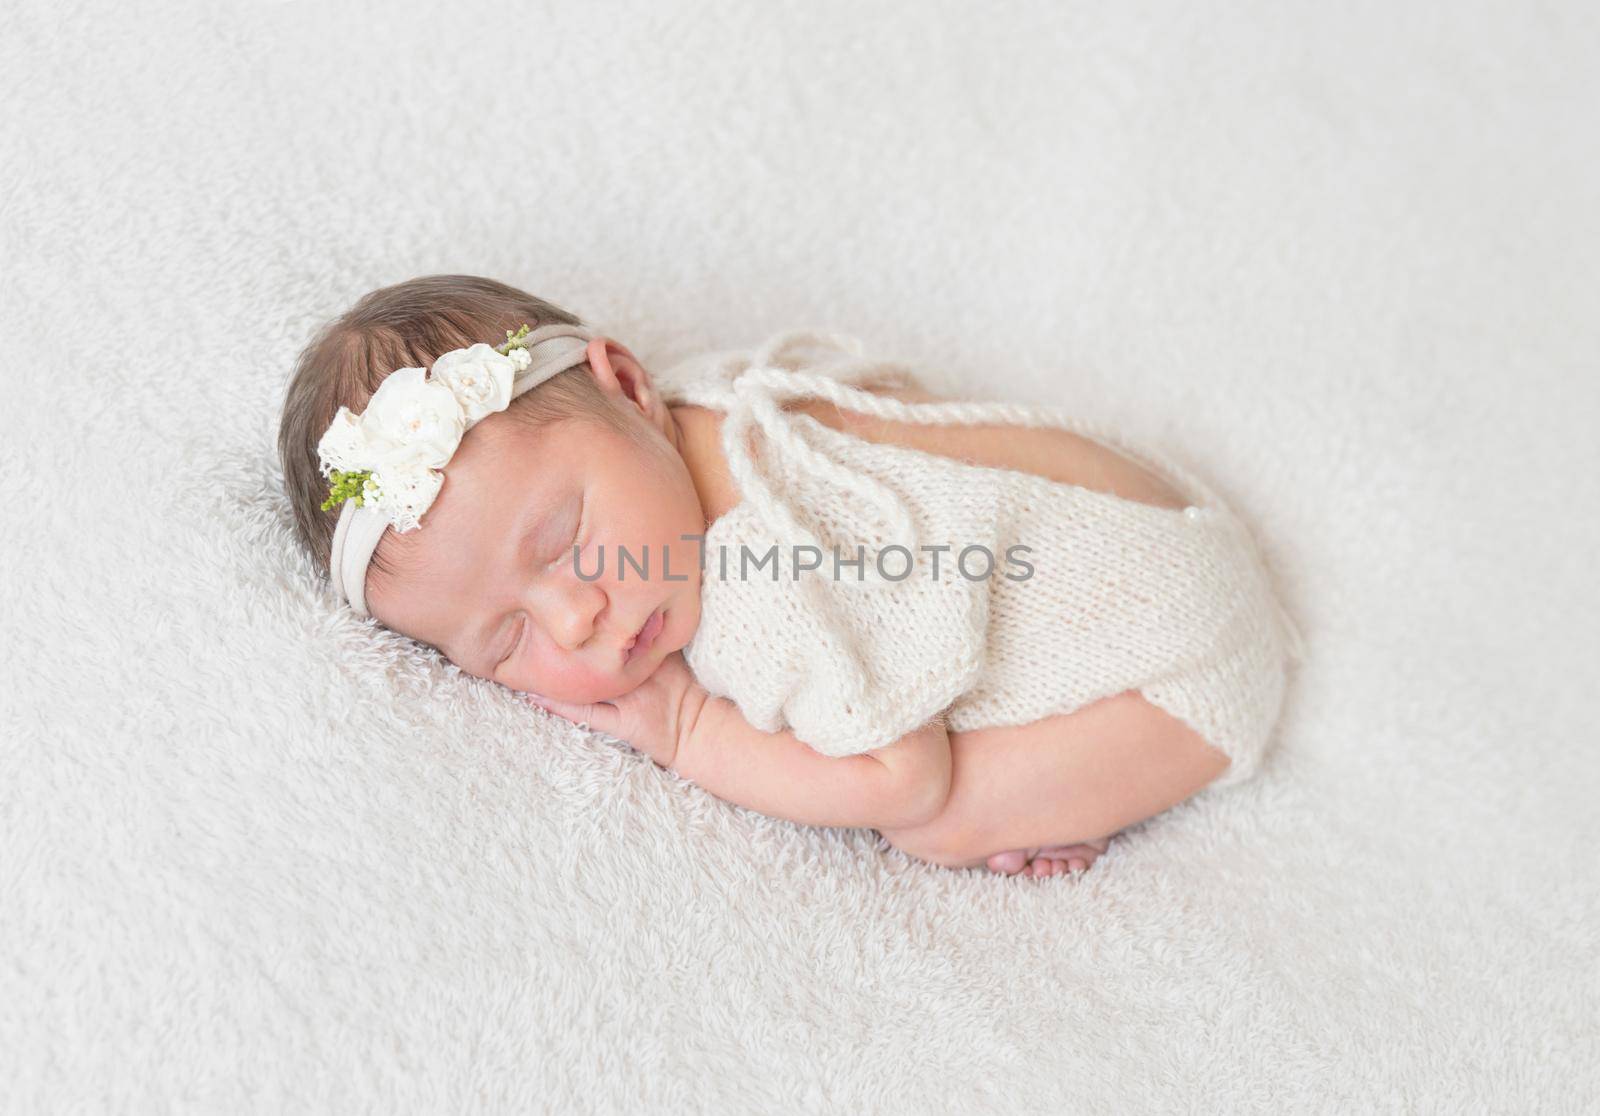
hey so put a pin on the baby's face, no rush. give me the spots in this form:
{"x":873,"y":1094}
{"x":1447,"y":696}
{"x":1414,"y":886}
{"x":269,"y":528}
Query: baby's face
{"x":490,"y":577}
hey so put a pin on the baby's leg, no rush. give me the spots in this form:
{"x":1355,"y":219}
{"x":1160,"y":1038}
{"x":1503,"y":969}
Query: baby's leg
{"x":1070,"y":779}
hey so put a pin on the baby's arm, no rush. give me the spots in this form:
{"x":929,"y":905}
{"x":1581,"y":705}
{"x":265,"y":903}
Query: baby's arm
{"x":775,"y":773}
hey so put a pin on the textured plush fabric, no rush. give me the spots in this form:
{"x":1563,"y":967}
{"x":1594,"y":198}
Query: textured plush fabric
{"x":981,"y":596}
{"x":258,"y":856}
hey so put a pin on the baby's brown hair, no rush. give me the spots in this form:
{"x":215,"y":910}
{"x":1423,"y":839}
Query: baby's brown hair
{"x":409,"y":325}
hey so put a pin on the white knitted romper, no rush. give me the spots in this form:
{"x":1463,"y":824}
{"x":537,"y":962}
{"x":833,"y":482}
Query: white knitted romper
{"x":1109,"y":595}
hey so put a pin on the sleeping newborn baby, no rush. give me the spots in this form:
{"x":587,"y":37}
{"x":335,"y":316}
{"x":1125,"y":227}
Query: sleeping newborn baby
{"x":991,"y":632}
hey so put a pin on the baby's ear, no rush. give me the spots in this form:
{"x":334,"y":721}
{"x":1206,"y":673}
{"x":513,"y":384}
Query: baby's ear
{"x":619,"y":373}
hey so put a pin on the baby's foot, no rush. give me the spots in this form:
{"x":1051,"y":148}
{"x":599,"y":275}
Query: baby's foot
{"x":1050,"y":860}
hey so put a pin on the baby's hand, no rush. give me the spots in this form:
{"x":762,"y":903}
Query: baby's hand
{"x":654,"y":717}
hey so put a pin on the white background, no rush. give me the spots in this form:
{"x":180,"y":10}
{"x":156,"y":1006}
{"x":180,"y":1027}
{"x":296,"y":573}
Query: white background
{"x":1339,"y":258}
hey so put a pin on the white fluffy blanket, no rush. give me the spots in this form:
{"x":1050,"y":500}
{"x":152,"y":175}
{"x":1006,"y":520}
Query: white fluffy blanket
{"x":256,"y":856}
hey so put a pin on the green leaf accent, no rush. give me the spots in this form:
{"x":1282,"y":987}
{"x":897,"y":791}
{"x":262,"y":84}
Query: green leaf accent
{"x":513,"y":340}
{"x":349,"y":486}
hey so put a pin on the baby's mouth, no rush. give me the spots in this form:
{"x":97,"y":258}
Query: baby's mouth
{"x":645,"y":637}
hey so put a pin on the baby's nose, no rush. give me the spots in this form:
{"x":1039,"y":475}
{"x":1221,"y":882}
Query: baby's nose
{"x":570,"y":614}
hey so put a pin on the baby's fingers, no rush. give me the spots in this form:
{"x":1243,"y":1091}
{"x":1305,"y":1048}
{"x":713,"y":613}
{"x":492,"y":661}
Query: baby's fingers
{"x":600,"y":714}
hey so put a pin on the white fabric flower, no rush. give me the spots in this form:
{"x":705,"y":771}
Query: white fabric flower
{"x":479,"y":377}
{"x":411,"y":422}
{"x":344,"y":444}
{"x":404,"y":494}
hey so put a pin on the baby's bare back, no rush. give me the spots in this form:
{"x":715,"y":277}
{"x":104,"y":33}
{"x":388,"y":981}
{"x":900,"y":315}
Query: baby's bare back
{"x":1047,"y":452}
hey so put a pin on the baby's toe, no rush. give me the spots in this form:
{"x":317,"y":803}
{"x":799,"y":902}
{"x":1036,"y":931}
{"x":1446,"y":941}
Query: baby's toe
{"x":1008,"y":863}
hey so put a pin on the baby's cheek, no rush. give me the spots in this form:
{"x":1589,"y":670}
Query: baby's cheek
{"x":565,"y":678}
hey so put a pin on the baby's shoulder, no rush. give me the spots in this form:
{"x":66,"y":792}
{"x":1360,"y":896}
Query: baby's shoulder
{"x":702,"y":437}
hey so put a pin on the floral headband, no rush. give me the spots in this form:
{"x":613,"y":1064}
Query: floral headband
{"x":383,"y":464}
